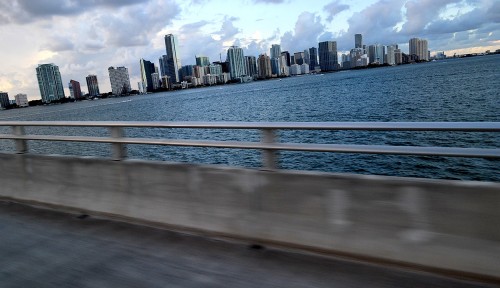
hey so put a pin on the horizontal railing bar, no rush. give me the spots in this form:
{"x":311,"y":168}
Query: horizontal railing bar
{"x":340,"y":148}
{"x":367,"y":126}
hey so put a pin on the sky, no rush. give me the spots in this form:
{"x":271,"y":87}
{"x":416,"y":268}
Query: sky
{"x":86,"y":37}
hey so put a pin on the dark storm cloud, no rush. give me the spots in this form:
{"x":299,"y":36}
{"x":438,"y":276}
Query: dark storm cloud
{"x":25,"y":11}
{"x":334,"y":8}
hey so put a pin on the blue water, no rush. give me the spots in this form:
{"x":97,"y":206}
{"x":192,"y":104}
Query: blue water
{"x":450,"y":90}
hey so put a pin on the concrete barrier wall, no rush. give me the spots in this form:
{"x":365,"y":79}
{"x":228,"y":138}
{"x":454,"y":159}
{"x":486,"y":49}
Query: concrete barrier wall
{"x":451,"y":225}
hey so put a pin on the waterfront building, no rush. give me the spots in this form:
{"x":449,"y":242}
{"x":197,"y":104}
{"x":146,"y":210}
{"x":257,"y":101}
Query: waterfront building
{"x":275,"y":66}
{"x":440,"y":55}
{"x":328,"y":59}
{"x":287,"y":58}
{"x":147,"y":68}
{"x":92,"y":85}
{"x":358,"y":41}
{"x":391,"y":60}
{"x":275,"y":51}
{"x":313,"y":58}
{"x":215,"y":69}
{"x":163,"y":61}
{"x":155,"y":78}
{"x":202,"y":61}
{"x":4,"y":100}
{"x":49,"y":82}
{"x":140,"y":87}
{"x":21,"y":100}
{"x":165,"y":82}
{"x":304,"y":68}
{"x":236,"y":61}
{"x":187,"y":71}
{"x":264,"y":63}
{"x":251,"y":65}
{"x":120,"y":80}
{"x":292,"y":59}
{"x":199,"y":71}
{"x":209,"y":80}
{"x":173,"y":58}
{"x":299,"y":58}
{"x":295,"y":69}
{"x":418,"y":49}
{"x":74,"y":90}
{"x":376,"y":54}
{"x":398,"y":56}
{"x":307,"y":58}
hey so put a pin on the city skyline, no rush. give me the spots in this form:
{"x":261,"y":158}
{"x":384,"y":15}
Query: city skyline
{"x":78,"y":39}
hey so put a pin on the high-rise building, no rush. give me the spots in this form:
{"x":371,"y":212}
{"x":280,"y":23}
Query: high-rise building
{"x":391,"y":60}
{"x":275,"y":66}
{"x":120,"y":80}
{"x":328,"y":59}
{"x":307,"y":57}
{"x":376,"y":53}
{"x":313,"y":58}
{"x":147,"y":68}
{"x":75,"y":91}
{"x":173,"y":58}
{"x":4,"y":100}
{"x":236,"y":61}
{"x":358,"y":41}
{"x":398,"y":56}
{"x":92,"y":85}
{"x":275,"y":51}
{"x":187,"y":71}
{"x":264,"y":63}
{"x":202,"y":61}
{"x":216,"y":69}
{"x":287,"y":58}
{"x":155,"y":78}
{"x":21,"y":100}
{"x":163,"y":61}
{"x":299,"y":58}
{"x":419,"y":48}
{"x":251,"y":65}
{"x":49,"y":82}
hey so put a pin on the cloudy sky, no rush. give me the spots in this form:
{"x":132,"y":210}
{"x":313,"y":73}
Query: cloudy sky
{"x":87,"y":36}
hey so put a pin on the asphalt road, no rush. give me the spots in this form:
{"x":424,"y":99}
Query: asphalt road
{"x":44,"y":248}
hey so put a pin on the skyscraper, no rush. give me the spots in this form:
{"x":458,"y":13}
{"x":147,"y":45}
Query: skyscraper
{"x":49,"y":82}
{"x":391,"y":59}
{"x":236,"y":61}
{"x":358,"y":41}
{"x":120,"y":81}
{"x":264,"y":63}
{"x":275,"y":51}
{"x":328,"y":59}
{"x":419,"y":48}
{"x":4,"y":100}
{"x":163,"y":65}
{"x":147,"y":68}
{"x":299,"y":58}
{"x":173,"y":58}
{"x":202,"y":61}
{"x":92,"y":85}
{"x":287,"y":58}
{"x":313,"y":58}
{"x":251,"y":65}
{"x":75,"y":90}
{"x":376,"y":53}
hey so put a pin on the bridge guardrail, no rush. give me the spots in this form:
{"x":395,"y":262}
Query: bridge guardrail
{"x":269,"y":143}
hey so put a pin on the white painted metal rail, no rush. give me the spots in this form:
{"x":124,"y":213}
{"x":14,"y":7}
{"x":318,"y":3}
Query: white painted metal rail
{"x":268,"y":144}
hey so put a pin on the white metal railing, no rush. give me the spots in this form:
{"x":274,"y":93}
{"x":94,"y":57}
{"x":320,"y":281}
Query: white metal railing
{"x":268,"y":144}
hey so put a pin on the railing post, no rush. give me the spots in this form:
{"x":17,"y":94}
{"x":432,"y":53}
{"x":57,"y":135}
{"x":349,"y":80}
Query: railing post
{"x":21,"y":144}
{"x":269,"y":159}
{"x":119,"y":150}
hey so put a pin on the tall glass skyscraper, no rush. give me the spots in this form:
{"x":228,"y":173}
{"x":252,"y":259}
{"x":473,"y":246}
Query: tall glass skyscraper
{"x":49,"y":82}
{"x":173,"y":59}
{"x":328,"y":59}
{"x":147,"y":68}
{"x":358,"y":41}
{"x":275,"y":51}
{"x":92,"y":85}
{"x":236,"y":61}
